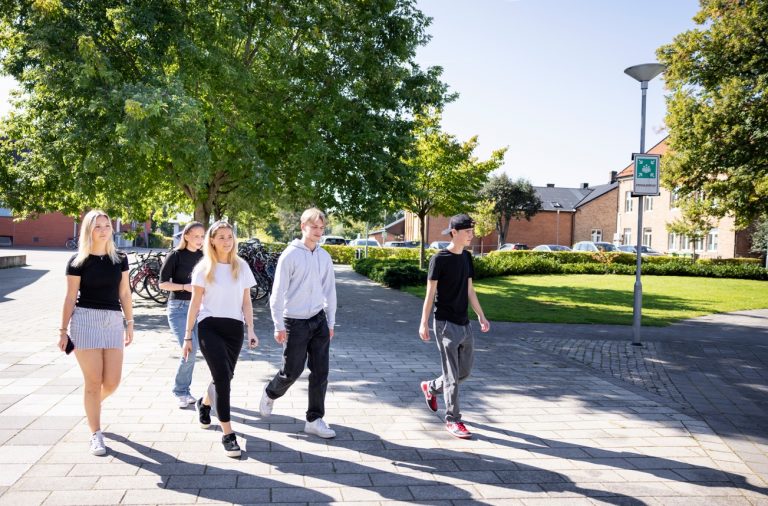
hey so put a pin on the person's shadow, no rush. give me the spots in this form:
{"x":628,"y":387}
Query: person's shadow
{"x":660,"y":467}
{"x":222,"y":482}
{"x":421,"y":476}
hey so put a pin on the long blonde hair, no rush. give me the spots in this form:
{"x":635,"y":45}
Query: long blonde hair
{"x":209,"y":253}
{"x":189,"y":226}
{"x":85,"y":241}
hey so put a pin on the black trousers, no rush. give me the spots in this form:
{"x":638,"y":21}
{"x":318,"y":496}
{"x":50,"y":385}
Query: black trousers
{"x":308,"y":341}
{"x":221,"y":340}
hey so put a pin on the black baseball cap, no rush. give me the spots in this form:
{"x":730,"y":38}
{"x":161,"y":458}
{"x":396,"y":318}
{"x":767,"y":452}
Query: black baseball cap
{"x":459,"y":222}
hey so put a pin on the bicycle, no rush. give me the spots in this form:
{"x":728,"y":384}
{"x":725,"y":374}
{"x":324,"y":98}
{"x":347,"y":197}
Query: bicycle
{"x":263,"y":265}
{"x":71,"y":243}
{"x":144,"y":277}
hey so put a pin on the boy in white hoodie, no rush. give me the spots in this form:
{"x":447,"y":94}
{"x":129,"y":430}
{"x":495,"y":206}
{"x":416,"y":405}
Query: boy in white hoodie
{"x":303,"y":306}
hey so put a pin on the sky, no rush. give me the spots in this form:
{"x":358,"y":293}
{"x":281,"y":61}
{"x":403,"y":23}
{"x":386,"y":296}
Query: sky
{"x":546,"y":79}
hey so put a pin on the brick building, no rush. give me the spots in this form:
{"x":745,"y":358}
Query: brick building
{"x":50,"y":230}
{"x":567,"y":215}
{"x":723,"y":241}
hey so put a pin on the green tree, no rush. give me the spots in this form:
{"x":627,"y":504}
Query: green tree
{"x":484,"y":215}
{"x":760,"y":237}
{"x":512,"y":199}
{"x":716,"y":113}
{"x":695,"y":220}
{"x":445,"y":175}
{"x":216,"y":106}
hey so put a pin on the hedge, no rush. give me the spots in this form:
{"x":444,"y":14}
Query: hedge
{"x":396,"y":273}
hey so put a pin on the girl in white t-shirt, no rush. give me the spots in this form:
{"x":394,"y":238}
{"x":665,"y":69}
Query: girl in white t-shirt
{"x":221,"y":305}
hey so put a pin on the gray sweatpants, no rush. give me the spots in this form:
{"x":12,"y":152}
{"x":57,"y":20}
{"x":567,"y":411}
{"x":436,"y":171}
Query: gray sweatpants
{"x":456,"y":345}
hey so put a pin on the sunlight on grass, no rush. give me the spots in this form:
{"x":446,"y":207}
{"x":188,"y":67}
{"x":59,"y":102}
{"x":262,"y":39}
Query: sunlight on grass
{"x":608,"y":299}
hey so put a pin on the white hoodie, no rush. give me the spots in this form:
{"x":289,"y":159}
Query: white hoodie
{"x":304,"y":285}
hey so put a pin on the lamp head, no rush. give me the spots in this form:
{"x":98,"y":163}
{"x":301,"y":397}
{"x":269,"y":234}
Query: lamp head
{"x":645,"y":72}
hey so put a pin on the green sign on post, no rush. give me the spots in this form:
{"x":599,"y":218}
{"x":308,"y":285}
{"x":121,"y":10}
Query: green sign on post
{"x":646,"y":181}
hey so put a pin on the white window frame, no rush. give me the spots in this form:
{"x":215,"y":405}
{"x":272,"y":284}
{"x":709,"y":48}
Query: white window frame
{"x":629,"y":205}
{"x":648,"y":204}
{"x":626,"y":237}
{"x":672,"y":241}
{"x":647,"y":236}
{"x":713,"y":239}
{"x":596,"y":235}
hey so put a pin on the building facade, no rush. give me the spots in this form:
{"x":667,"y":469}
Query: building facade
{"x":722,"y":241}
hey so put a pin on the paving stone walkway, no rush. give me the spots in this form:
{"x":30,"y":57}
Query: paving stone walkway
{"x":549,"y":429}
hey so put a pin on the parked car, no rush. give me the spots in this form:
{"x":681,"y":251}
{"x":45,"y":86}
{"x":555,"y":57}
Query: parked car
{"x":395,"y":244}
{"x":439,"y":244}
{"x":371,"y":243}
{"x":333,"y":240}
{"x":551,"y":247}
{"x":594,"y":247}
{"x":513,"y":246}
{"x":644,"y":250}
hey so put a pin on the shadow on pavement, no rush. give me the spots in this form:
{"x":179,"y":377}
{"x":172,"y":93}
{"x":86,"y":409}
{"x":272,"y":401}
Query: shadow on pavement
{"x":16,"y":278}
{"x":663,"y":468}
{"x":207,"y":481}
{"x":446,"y":468}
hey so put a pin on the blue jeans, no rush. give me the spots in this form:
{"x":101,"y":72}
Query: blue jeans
{"x":177,"y":319}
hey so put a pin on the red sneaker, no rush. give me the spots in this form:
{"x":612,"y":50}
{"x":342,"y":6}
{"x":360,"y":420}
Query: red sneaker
{"x":458,"y":430}
{"x":430,"y":398}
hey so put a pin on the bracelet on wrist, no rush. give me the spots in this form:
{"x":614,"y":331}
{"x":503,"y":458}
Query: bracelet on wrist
{"x":187,"y":338}
{"x":128,"y":321}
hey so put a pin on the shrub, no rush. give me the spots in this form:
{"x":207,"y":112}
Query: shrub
{"x":391,"y":272}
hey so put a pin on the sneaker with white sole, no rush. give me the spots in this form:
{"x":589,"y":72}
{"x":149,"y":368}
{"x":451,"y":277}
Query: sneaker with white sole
{"x":97,"y":444}
{"x":190,"y":399}
{"x":181,"y":401}
{"x":231,"y":448}
{"x":319,"y":428}
{"x":266,"y":404}
{"x":458,"y":429}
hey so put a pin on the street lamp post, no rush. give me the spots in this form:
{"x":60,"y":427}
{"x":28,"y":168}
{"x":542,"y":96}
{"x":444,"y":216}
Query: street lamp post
{"x":642,"y":73}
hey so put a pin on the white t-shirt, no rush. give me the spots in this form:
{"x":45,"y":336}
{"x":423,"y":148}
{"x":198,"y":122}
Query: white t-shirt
{"x":224,"y":297}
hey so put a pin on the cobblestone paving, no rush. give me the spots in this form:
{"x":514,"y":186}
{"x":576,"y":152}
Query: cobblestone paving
{"x":548,"y":430}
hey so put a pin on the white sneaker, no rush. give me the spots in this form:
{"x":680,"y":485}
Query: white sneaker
{"x":190,"y":399}
{"x":319,"y":428}
{"x":181,"y":400}
{"x":97,"y":444}
{"x":266,"y":404}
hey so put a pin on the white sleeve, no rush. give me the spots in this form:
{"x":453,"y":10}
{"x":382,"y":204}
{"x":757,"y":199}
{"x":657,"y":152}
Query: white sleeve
{"x":329,"y":293}
{"x":246,"y":275}
{"x":198,"y":276}
{"x":279,"y":289}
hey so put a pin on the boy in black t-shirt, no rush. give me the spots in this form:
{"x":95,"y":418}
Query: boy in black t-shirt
{"x":449,"y":285}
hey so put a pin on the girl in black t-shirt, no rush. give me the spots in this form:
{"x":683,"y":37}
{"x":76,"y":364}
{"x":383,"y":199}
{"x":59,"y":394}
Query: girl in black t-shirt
{"x":176,"y":277}
{"x":97,"y":291}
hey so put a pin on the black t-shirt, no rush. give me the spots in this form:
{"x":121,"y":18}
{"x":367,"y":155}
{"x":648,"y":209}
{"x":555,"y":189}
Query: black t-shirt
{"x":99,"y":281}
{"x":451,"y":271}
{"x":177,"y":267}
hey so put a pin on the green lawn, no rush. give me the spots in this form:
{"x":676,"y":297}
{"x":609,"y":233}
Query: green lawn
{"x":583,"y":298}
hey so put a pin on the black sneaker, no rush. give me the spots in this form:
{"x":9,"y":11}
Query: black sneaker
{"x":203,"y":413}
{"x":231,"y":448}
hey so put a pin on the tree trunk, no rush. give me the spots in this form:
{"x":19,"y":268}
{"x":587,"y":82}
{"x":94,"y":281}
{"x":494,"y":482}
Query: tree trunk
{"x":422,"y":231}
{"x":202,"y":213}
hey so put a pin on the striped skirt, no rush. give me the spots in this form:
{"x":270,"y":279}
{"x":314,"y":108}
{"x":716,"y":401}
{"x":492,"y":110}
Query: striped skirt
{"x":96,"y":328}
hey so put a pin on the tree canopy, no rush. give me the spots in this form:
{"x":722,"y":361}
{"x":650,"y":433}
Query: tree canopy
{"x":446,"y":176}
{"x":216,"y":105}
{"x":512,"y":199}
{"x":717,"y":113}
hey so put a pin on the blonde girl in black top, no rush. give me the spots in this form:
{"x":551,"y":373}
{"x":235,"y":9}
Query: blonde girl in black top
{"x":98,"y":297}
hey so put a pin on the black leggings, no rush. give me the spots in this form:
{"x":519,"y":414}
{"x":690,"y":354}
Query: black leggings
{"x":221,"y":340}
